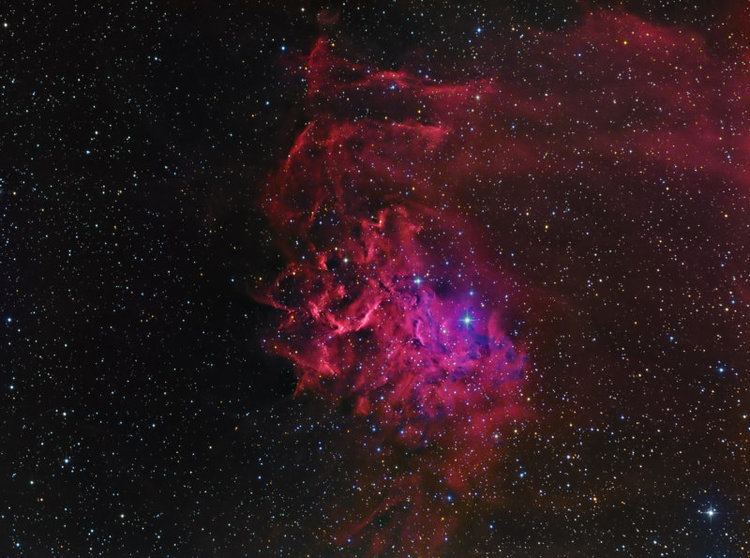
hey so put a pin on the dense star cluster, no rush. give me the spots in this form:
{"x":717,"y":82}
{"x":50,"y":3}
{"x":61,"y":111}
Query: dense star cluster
{"x":389,"y":279}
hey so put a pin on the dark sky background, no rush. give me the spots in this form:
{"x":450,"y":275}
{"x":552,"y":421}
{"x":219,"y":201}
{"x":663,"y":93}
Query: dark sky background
{"x":140,"y":415}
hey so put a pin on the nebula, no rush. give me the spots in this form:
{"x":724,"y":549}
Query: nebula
{"x":397,"y":301}
{"x":389,"y":305}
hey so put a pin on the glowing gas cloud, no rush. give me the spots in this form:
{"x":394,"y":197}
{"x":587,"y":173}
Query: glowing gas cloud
{"x":389,"y":304}
{"x":393,"y":302}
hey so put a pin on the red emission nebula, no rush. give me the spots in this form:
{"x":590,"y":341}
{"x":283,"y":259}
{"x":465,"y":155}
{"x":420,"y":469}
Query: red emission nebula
{"x":394,"y":303}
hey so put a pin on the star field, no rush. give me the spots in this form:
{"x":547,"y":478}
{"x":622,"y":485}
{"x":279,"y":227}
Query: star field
{"x":390,"y":279}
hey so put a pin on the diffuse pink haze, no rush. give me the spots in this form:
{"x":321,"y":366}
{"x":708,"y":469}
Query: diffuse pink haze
{"x":392,"y":301}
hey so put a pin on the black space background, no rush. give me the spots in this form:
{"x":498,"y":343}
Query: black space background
{"x":139,"y":417}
